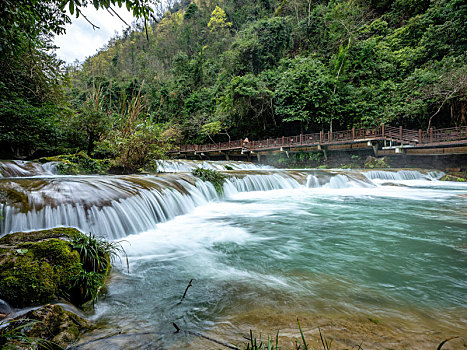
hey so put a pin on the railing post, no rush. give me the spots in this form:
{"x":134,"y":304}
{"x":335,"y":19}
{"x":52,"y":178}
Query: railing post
{"x":353,"y":134}
{"x":219,"y":146}
{"x":321,"y":136}
{"x":329,"y":136}
{"x":382,"y":130}
{"x":282,"y":140}
{"x":267,"y":142}
{"x":431,"y":135}
{"x":301,"y":138}
{"x":229,"y":144}
{"x":419,"y":135}
{"x":252,"y":145}
{"x":400,"y":132}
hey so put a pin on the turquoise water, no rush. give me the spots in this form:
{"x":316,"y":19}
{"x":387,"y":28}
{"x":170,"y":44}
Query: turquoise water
{"x":387,"y":252}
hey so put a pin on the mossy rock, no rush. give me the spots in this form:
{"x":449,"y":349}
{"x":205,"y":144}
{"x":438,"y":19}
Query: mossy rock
{"x":454,"y":178}
{"x":41,"y":266}
{"x":49,"y":326}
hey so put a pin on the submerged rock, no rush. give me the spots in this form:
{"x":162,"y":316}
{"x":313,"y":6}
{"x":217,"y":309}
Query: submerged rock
{"x":49,"y":326}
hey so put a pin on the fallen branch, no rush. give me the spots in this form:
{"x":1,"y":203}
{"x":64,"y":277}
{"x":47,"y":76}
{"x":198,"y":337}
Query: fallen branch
{"x":186,"y":289}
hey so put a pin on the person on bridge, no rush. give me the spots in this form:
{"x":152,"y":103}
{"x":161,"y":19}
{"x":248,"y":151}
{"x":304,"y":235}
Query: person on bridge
{"x":246,"y":142}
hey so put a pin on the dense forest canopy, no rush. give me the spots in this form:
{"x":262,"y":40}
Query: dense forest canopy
{"x":213,"y":70}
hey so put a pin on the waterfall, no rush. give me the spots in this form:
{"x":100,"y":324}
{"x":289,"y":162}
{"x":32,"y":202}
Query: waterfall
{"x":116,"y":206}
{"x":19,"y":168}
{"x":180,"y":165}
{"x":402,"y":175}
{"x":336,"y":181}
{"x":312,"y":181}
{"x":251,"y":183}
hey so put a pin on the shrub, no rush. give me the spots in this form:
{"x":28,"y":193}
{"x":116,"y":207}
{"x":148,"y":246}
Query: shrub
{"x":216,"y":178}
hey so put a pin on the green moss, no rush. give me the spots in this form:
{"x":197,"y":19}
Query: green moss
{"x":34,"y":236}
{"x":454,"y":178}
{"x":27,"y":282}
{"x":37,"y":267}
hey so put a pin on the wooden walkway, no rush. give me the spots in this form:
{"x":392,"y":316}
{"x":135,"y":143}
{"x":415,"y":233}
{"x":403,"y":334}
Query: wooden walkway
{"x":398,"y":136}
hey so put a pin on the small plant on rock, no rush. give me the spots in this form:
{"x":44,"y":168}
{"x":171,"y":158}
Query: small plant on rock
{"x":96,"y":253}
{"x":216,"y":178}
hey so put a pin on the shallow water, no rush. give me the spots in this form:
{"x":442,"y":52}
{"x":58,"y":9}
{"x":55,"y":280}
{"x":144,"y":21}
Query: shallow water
{"x":382,"y":265}
{"x":375,"y":258}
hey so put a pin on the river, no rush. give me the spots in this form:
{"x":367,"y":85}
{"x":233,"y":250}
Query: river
{"x":376,"y":258}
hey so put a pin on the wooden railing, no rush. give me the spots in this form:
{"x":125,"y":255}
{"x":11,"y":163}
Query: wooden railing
{"x":384,"y":132}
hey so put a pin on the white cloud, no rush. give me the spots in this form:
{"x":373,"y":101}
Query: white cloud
{"x":81,"y":41}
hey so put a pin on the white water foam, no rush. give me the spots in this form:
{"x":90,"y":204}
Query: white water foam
{"x":119,"y":206}
{"x":180,"y":165}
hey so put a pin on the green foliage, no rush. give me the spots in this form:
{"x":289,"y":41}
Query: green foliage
{"x":304,"y":93}
{"x":261,"y":45}
{"x":95,"y":252}
{"x":258,"y":344}
{"x":214,"y":177}
{"x":79,"y":164}
{"x":32,"y":79}
{"x":257,"y":68}
{"x":376,"y":163}
{"x":139,"y":147}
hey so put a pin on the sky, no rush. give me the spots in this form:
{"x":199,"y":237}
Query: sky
{"x":81,"y":40}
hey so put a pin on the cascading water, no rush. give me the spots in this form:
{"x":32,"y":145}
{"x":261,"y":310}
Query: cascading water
{"x":402,"y":175}
{"x":332,"y":247}
{"x":19,"y":168}
{"x":119,"y":206}
{"x":176,"y":166}
{"x":116,"y":206}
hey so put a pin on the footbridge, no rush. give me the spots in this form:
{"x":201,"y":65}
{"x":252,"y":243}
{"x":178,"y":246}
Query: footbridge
{"x":384,"y":140}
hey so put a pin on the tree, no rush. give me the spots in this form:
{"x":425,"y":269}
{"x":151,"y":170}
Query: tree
{"x":214,"y":128}
{"x":304,"y":93}
{"x":218,"y":20}
{"x":33,"y":77}
{"x":32,"y":20}
{"x":261,"y":45}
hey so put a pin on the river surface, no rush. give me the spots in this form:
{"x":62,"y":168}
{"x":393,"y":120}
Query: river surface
{"x":371,"y":258}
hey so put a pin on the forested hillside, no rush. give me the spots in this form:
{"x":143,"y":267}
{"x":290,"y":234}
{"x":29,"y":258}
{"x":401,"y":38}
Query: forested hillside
{"x":209,"y":70}
{"x":266,"y":67}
